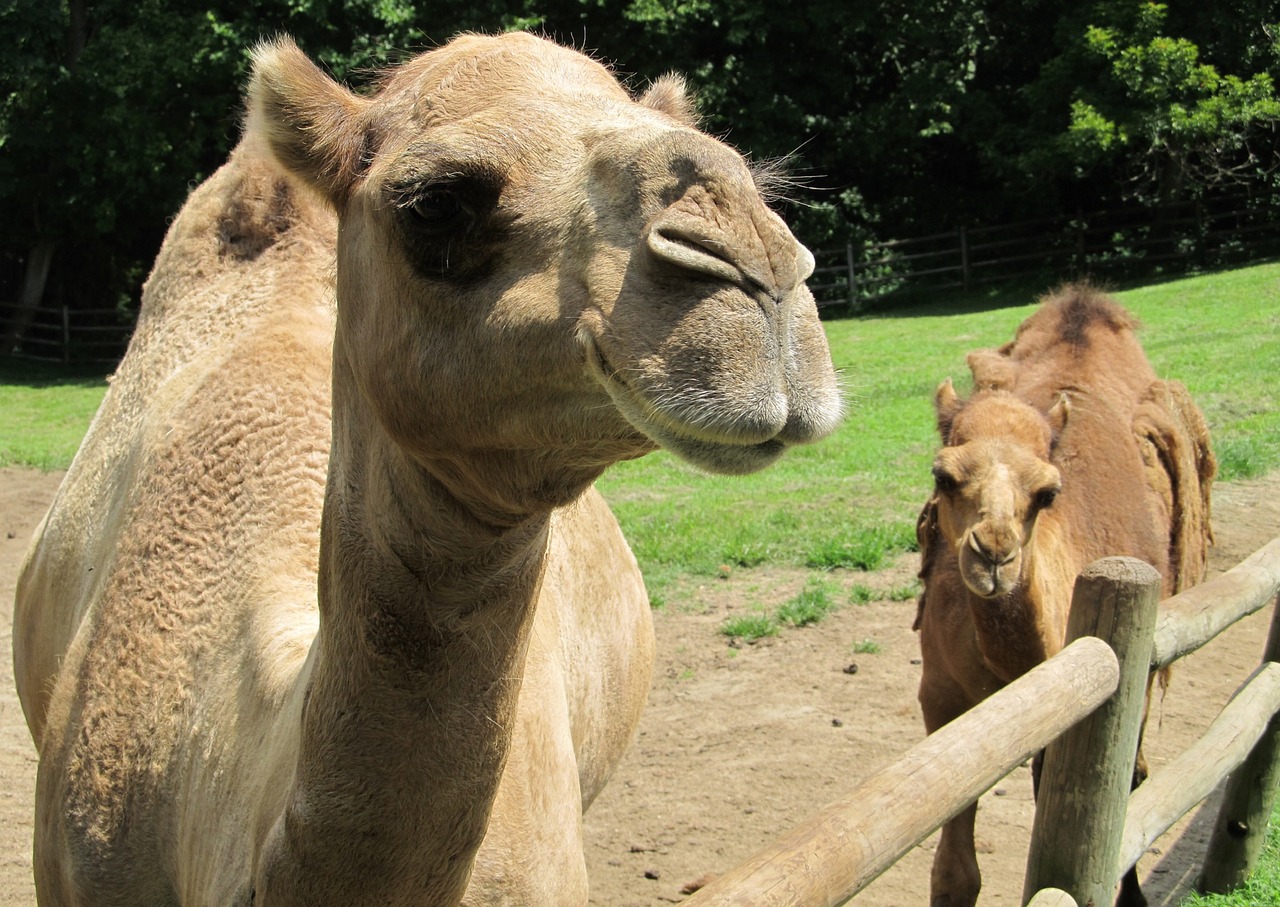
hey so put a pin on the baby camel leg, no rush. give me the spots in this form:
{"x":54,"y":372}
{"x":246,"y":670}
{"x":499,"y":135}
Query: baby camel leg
{"x":956,"y":880}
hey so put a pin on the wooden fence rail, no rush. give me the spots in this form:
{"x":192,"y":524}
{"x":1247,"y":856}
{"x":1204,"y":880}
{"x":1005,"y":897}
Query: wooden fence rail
{"x":1102,"y":243}
{"x":843,"y":848}
{"x":1089,"y":703}
{"x":61,"y":335}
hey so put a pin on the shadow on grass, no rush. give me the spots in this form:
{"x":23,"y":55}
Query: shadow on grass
{"x":19,"y":372}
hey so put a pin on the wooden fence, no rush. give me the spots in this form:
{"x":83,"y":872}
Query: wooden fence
{"x":1102,"y":244}
{"x":1114,"y":244}
{"x":1084,"y":706}
{"x":63,"y":335}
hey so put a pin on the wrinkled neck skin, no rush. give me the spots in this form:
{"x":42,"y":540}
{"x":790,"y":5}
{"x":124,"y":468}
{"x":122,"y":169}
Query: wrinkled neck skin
{"x":1020,"y":630}
{"x":425,"y":610}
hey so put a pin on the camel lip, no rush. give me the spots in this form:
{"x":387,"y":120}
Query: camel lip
{"x":724,"y":456}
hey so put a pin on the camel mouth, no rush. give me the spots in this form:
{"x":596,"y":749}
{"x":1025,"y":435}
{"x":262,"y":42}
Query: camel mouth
{"x":703,"y":446}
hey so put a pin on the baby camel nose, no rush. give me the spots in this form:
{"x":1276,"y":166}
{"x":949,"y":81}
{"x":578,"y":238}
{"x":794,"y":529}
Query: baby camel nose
{"x":997,"y":545}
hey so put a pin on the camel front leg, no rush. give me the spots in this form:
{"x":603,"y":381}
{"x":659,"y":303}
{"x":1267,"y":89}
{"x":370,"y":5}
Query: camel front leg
{"x":956,"y":880}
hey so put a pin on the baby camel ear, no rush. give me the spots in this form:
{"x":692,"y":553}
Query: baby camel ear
{"x":670,"y":95}
{"x":1059,"y":413}
{"x":946,"y":403}
{"x":311,"y":123}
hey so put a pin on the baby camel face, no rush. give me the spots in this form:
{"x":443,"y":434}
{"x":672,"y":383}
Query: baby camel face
{"x":529,"y":259}
{"x":993,"y":482}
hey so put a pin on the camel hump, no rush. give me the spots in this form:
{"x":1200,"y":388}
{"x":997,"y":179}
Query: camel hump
{"x":1180,"y":466}
{"x":1079,"y":307}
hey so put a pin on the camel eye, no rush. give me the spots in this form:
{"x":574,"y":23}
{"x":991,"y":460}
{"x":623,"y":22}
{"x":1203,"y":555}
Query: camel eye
{"x":945,"y":481}
{"x":439,"y":211}
{"x":1045,"y":497}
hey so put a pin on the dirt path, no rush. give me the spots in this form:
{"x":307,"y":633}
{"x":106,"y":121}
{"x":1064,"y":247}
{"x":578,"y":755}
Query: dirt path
{"x":740,"y":744}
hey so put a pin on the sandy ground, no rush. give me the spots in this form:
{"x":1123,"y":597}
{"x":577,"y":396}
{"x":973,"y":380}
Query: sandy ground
{"x":740,"y":744}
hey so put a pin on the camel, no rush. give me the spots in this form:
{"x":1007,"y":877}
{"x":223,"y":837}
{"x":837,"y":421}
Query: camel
{"x":327,"y":610}
{"x":1068,"y":450}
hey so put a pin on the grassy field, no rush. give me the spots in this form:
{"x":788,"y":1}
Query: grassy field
{"x":46,"y":410}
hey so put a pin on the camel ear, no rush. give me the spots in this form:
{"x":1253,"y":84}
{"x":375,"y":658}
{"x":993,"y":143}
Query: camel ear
{"x":1059,"y":413}
{"x":991,"y":370}
{"x":946,"y":403}
{"x":670,"y":95}
{"x":311,"y":123}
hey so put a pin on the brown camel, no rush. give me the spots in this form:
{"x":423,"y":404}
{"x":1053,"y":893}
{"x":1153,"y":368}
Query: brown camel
{"x":1069,"y":450}
{"x":327,"y":610}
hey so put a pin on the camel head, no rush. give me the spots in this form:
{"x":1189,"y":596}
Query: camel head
{"x":535,"y":267}
{"x":994,"y":480}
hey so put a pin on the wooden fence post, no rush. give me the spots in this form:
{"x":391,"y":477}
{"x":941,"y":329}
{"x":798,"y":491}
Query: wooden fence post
{"x":964,"y":258}
{"x":1246,"y":806}
{"x":1084,"y":786}
{"x":853,"y":279}
{"x":66,"y":334}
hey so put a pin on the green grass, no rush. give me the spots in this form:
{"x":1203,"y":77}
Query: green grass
{"x":866,"y":646}
{"x":46,"y":411}
{"x":750,"y":627}
{"x":862,"y":594}
{"x":810,"y":605}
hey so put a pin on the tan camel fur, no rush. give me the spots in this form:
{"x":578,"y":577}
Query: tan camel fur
{"x":327,"y":611}
{"x":1070,"y":449}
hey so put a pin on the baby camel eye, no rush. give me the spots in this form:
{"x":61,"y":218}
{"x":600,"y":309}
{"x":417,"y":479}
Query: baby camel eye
{"x":945,"y":481}
{"x":1045,"y":497}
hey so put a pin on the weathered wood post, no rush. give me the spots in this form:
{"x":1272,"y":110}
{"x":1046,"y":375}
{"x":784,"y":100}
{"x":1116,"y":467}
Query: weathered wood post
{"x":853,"y":278}
{"x":1246,"y":806}
{"x":1084,"y":786}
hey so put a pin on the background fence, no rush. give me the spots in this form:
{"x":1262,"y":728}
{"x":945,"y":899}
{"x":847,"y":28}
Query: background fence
{"x":1089,"y":829}
{"x":62,"y":335}
{"x":1116,"y":244}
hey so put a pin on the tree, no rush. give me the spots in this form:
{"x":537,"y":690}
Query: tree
{"x":895,"y":118}
{"x":1123,"y":106}
{"x":110,"y":111}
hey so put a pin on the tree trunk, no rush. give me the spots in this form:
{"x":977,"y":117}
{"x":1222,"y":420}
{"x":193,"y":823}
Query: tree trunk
{"x":33,"y":284}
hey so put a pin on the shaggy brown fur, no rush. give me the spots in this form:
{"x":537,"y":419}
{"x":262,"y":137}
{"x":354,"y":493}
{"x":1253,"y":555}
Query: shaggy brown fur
{"x":327,"y":610}
{"x":1069,"y":450}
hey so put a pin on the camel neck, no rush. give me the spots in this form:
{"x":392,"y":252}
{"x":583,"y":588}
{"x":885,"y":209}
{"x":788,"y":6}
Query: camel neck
{"x":425,"y":611}
{"x":1020,"y":630}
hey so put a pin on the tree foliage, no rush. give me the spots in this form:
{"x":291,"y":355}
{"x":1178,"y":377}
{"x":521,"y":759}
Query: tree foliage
{"x":895,"y":118}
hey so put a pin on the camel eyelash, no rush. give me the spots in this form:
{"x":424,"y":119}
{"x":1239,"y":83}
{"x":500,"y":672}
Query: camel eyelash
{"x":944,"y":480}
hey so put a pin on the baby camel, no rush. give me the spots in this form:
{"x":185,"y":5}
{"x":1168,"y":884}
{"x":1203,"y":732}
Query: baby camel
{"x":1069,"y":450}
{"x":327,"y":611}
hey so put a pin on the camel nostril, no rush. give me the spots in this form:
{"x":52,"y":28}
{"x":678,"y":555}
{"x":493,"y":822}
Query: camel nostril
{"x":991,"y":556}
{"x":688,"y":244}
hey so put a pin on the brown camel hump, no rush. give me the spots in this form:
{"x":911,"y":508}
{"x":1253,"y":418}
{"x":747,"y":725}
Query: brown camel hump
{"x":1080,"y":307}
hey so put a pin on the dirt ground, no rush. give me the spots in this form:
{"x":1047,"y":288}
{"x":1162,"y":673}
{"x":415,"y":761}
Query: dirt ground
{"x":740,"y":744}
